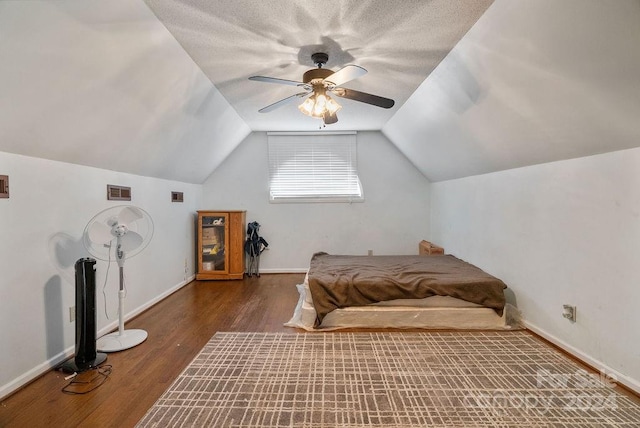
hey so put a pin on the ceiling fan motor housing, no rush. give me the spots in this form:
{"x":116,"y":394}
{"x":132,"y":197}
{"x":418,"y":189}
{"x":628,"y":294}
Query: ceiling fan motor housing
{"x":316,"y":74}
{"x":319,"y":59}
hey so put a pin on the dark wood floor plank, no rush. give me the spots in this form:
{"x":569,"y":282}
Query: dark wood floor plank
{"x":178,"y":327}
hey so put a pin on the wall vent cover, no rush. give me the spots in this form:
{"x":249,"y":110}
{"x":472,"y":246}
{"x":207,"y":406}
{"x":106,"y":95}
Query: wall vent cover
{"x":4,"y":186}
{"x":118,"y":193}
{"x":177,"y":197}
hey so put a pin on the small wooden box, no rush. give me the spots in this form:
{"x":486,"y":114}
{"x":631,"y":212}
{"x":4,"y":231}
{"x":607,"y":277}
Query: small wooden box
{"x":426,"y":248}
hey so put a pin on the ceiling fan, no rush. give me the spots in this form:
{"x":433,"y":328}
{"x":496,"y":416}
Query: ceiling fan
{"x":317,"y":83}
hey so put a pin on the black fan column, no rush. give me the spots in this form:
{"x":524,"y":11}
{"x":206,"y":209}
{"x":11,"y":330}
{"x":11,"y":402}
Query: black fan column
{"x":86,"y":356}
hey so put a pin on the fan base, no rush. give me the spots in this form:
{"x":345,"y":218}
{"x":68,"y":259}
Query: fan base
{"x":71,"y":366}
{"x":117,"y":341}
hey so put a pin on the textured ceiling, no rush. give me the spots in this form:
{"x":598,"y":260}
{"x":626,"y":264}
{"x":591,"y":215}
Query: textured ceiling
{"x":398,"y":42}
{"x":160,"y":89}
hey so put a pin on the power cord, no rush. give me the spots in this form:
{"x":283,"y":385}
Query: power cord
{"x":87,"y":381}
{"x":104,"y":285}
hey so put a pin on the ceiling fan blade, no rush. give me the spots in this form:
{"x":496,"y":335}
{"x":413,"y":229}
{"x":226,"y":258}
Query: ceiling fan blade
{"x":346,"y":74}
{"x":128,"y":215}
{"x":363,"y":97}
{"x":131,"y":240}
{"x":282,"y":102}
{"x":330,"y":118}
{"x":100,"y":233}
{"x":276,"y":80}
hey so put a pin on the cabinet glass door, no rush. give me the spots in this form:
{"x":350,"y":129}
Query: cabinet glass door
{"x":214,"y":242}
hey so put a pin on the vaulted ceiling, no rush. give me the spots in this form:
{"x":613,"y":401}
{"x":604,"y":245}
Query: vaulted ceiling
{"x":398,"y":42}
{"x":160,"y":87}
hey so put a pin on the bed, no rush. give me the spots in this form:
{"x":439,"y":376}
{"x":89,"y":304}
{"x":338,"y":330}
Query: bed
{"x":398,"y":292}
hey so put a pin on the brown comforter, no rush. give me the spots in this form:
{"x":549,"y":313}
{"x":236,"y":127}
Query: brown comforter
{"x":341,"y":281}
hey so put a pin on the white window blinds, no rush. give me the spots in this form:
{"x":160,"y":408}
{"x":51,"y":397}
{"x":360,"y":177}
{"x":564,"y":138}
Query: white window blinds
{"x":313,"y":167}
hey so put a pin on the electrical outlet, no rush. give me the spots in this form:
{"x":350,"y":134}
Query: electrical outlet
{"x":72,"y":313}
{"x":569,"y":312}
{"x":185,"y":269}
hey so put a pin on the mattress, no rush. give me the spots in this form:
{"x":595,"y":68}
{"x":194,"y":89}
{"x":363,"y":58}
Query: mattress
{"x":343,"y":281}
{"x":435,"y":312}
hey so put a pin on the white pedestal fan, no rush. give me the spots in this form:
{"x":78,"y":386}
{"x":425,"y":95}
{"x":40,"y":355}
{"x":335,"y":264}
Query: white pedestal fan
{"x":126,"y":230}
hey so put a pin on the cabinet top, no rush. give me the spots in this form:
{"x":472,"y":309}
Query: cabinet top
{"x":220,"y":211}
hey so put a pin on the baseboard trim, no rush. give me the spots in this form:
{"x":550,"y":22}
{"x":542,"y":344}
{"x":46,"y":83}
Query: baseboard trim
{"x":624,"y":381}
{"x":44,"y":367}
{"x":137,"y":311}
{"x":284,"y":270}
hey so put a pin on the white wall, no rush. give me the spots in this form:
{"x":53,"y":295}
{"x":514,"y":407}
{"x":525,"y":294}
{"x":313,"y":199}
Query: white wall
{"x":114,"y":75}
{"x":392,"y":220}
{"x":559,"y":233}
{"x":41,"y":225}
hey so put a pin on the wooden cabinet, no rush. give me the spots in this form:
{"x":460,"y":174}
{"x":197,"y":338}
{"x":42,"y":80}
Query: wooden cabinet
{"x":221,"y":244}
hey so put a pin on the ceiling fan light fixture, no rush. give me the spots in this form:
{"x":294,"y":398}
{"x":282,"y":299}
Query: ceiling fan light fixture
{"x":319,"y":104}
{"x":307,"y":105}
{"x":332,"y":106}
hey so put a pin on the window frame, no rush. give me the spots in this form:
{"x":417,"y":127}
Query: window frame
{"x":308,"y":152}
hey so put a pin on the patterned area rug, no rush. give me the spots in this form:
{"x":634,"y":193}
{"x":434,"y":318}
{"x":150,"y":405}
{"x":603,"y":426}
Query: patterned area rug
{"x":441,"y":379}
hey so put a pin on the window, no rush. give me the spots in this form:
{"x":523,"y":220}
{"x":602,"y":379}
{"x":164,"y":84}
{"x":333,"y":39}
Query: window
{"x":313,"y":167}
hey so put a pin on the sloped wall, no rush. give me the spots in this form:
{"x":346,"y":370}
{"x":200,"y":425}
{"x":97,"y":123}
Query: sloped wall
{"x":559,"y":233}
{"x":104,"y":84}
{"x":42,"y":224}
{"x":533,"y":81}
{"x":392,"y":220}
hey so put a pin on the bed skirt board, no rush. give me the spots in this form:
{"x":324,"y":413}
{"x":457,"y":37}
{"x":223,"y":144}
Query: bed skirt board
{"x":437,"y":312}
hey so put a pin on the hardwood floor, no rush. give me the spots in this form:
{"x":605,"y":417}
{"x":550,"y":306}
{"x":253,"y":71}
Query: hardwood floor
{"x":178,"y":328}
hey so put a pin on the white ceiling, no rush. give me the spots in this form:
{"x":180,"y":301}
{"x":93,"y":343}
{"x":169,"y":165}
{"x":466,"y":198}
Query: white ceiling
{"x":160,"y":89}
{"x":398,"y":42}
